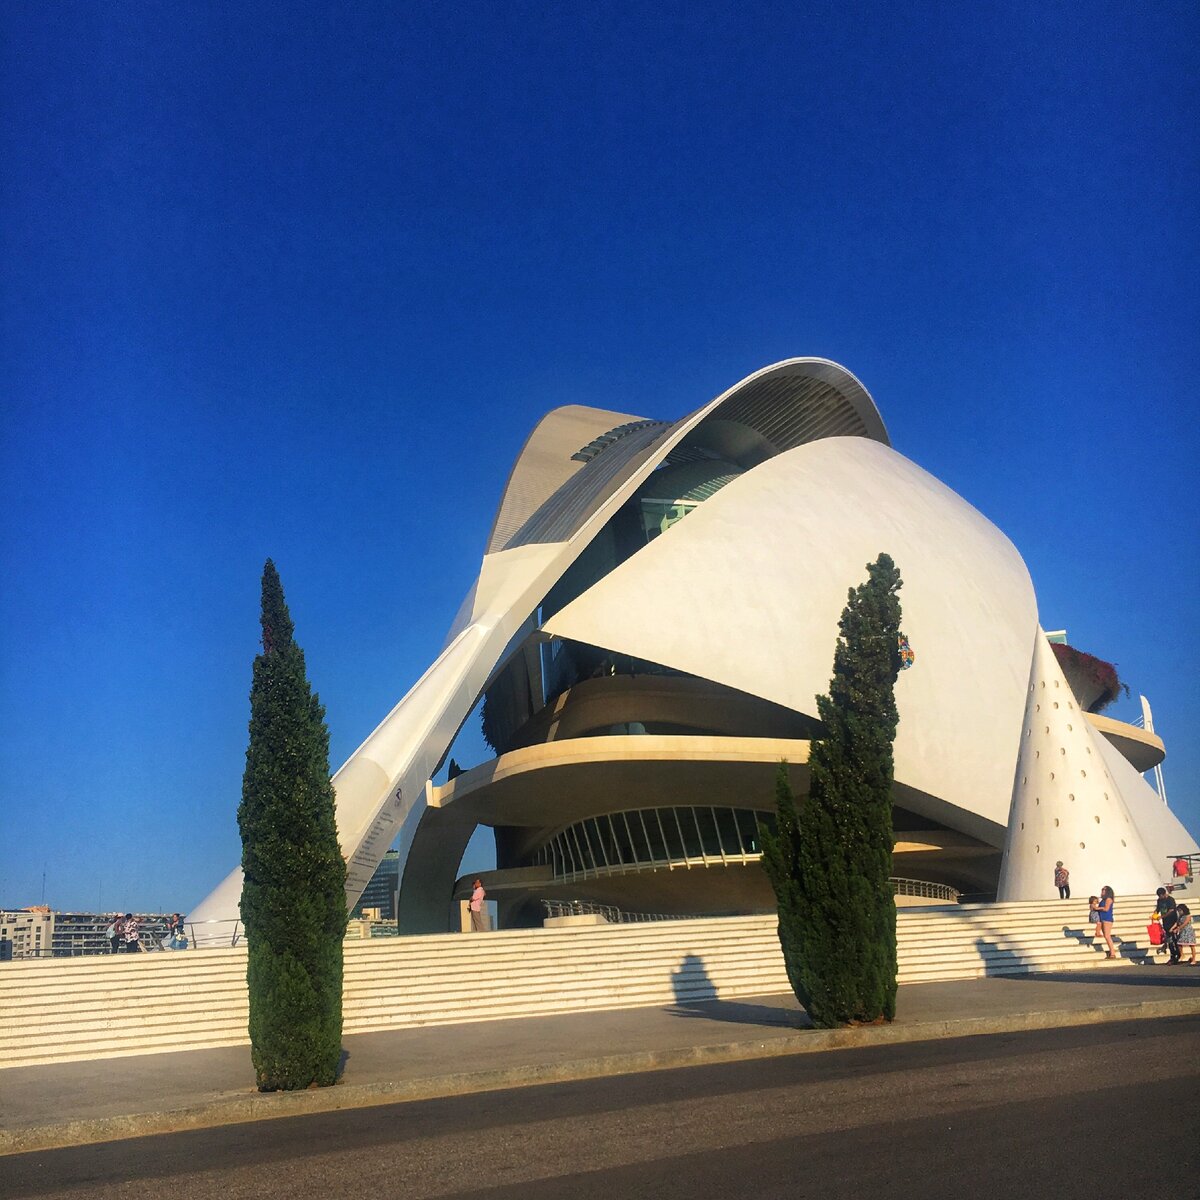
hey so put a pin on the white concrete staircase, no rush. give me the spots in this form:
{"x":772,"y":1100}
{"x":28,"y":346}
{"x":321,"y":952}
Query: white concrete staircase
{"x":973,"y":940}
{"x":60,"y":1010}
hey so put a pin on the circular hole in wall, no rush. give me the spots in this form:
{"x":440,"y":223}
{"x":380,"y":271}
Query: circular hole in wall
{"x":1062,"y":749}
{"x":1089,"y":749}
{"x":1047,"y":728}
{"x":1082,"y":846}
{"x":1106,"y":795}
{"x":1037,"y":799}
{"x":1071,"y":796}
{"x":1037,"y":754}
{"x":1056,"y":704}
{"x":1056,"y":683}
{"x":1070,"y":705}
{"x":1056,"y":822}
{"x":1083,"y":774}
{"x":1037,"y":849}
{"x":1097,"y":820}
{"x":1022,"y":824}
{"x":1070,"y":727}
{"x":1037,"y":708}
{"x":1122,"y":840}
{"x":1051,"y":774}
{"x":1043,"y":683}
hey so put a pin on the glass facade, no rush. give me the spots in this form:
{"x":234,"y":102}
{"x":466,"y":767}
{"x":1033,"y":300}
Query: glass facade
{"x":654,"y":837}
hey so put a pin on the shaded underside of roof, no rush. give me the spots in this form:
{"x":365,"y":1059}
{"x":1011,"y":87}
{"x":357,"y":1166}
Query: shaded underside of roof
{"x":790,"y":410}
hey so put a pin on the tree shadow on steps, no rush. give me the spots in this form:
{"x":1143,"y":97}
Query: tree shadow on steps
{"x":696,"y":996}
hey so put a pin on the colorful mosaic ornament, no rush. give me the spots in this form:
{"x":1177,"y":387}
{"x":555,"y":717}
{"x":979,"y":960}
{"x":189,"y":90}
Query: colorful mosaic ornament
{"x":907,"y":657}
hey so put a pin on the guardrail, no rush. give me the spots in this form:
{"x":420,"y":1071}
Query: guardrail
{"x":614,"y":916}
{"x":920,"y":888}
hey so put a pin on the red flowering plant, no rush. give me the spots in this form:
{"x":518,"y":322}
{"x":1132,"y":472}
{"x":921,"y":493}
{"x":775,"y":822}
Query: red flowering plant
{"x":1095,"y":682}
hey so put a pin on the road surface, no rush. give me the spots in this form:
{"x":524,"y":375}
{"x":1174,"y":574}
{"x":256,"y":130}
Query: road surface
{"x":1050,"y":1115}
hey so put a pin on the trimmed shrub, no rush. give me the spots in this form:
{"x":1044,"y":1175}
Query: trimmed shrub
{"x":294,"y":890}
{"x":829,"y":864}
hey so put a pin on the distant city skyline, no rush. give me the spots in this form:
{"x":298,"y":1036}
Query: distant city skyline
{"x":294,"y":284}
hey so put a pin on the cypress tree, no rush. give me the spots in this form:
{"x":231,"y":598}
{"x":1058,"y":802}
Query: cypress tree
{"x":830,"y":865}
{"x":293,"y":894}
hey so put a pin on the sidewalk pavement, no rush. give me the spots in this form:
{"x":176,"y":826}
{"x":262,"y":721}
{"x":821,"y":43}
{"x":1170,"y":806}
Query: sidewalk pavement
{"x":77,"y":1103}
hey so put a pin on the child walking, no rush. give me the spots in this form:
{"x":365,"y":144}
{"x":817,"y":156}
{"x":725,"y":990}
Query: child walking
{"x":1185,"y":932}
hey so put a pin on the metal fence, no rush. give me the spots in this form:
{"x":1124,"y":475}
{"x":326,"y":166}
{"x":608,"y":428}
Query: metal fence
{"x":920,"y":888}
{"x":614,"y":916}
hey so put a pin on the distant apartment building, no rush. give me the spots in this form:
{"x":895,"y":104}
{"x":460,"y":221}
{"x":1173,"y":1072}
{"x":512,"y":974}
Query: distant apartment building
{"x":25,"y":933}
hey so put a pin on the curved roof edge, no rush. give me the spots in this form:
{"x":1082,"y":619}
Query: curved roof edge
{"x":776,"y":408}
{"x":799,"y":400}
{"x":545,"y":462}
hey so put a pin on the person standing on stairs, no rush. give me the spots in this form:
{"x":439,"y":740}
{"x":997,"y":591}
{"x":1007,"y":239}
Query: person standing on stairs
{"x":478,"y":914}
{"x":1062,"y":881}
{"x":1105,"y":913}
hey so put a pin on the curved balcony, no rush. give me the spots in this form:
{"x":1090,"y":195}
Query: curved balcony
{"x":653,"y":703}
{"x":1143,"y":750}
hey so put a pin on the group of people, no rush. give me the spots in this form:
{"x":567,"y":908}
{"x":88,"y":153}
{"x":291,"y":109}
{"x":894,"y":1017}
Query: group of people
{"x":1178,"y":929}
{"x":1175,"y":920}
{"x":125,"y":933}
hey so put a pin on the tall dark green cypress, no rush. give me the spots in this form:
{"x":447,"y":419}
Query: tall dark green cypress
{"x":294,"y":890}
{"x":830,"y":864}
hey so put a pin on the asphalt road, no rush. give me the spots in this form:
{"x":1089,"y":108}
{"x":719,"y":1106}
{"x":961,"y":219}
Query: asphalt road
{"x":1050,"y":1115}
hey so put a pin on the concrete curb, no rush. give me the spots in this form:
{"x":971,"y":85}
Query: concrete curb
{"x":241,"y":1107}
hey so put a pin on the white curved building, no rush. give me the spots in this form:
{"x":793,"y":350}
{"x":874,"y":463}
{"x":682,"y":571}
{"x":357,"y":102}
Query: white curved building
{"x":642,"y":675}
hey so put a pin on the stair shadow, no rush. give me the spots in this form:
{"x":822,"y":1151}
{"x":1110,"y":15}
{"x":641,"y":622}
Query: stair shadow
{"x":1126,"y":948}
{"x":696,"y":996}
{"x":1168,"y":977}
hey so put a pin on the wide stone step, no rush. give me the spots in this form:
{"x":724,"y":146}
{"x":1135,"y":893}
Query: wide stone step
{"x":65,"y":1009}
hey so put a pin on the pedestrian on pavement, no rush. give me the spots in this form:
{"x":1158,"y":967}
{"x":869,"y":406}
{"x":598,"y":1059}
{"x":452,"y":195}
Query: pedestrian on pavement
{"x":1185,"y":932}
{"x":132,"y":932}
{"x":1105,"y":912}
{"x":478,"y":916}
{"x":115,"y":933}
{"x":1062,"y":881}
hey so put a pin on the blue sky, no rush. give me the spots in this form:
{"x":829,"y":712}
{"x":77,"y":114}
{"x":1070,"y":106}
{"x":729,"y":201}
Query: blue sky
{"x":295,"y":281}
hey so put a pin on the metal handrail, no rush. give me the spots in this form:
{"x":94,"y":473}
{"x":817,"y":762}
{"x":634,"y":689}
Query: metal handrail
{"x":922,"y":889}
{"x":613,"y":915}
{"x":210,"y":938}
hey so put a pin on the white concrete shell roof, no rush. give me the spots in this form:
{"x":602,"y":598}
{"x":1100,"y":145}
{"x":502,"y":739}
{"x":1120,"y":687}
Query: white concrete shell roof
{"x":761,"y":569}
{"x":747,"y":591}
